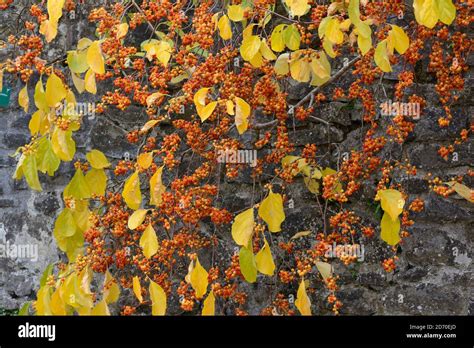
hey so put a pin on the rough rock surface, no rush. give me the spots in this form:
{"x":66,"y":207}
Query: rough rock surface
{"x":435,"y":272}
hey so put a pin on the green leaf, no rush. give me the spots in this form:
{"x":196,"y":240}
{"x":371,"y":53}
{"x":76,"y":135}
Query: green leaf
{"x":292,"y":37}
{"x":248,"y":266}
{"x":46,"y":159}
{"x":30,"y":171}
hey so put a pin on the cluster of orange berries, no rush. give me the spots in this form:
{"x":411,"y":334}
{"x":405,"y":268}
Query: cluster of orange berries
{"x":389,"y":264}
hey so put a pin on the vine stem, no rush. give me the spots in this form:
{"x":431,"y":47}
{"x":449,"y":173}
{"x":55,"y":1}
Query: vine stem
{"x":312,"y":92}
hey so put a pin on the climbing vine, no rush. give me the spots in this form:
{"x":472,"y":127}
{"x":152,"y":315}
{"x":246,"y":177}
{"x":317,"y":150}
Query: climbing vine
{"x":213,"y":77}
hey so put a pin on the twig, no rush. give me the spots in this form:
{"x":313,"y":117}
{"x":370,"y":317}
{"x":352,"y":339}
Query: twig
{"x":313,"y":91}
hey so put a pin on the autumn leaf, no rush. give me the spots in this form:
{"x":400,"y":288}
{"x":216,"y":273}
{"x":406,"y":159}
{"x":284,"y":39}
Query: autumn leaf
{"x":156,"y":187}
{"x":131,"y":192}
{"x":390,"y":229}
{"x":149,"y":242}
{"x":95,"y":59}
{"x":264,"y":260}
{"x":198,"y":279}
{"x":137,"y":289}
{"x":137,"y":218}
{"x":97,"y":159}
{"x":23,"y":99}
{"x":248,"y":266}
{"x":158,"y":299}
{"x":209,"y":306}
{"x":271,"y":211}
{"x":302,"y":302}
{"x":242,"y":228}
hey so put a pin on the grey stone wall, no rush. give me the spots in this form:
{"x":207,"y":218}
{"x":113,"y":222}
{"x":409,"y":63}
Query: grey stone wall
{"x":435,"y":268}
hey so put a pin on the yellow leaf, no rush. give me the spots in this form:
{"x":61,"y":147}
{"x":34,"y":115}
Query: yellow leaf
{"x":300,"y":69}
{"x":277,"y":41}
{"x":158,"y":299}
{"x":266,"y":52}
{"x":43,"y":301}
{"x":149,"y":125}
{"x":320,"y":66}
{"x":303,"y":303}
{"x":381,"y":57}
{"x":149,"y":242}
{"x":248,"y":266}
{"x":298,"y":7}
{"x":131,"y":192}
{"x":429,"y":13}
{"x":392,"y":202}
{"x":271,"y":211}
{"x":152,"y":98}
{"x":49,"y":29}
{"x":122,"y":30}
{"x":264,"y":260}
{"x":198,"y":278}
{"x":205,"y":112}
{"x":137,"y":218}
{"x":328,"y":47}
{"x":200,"y":97}
{"x":447,"y":11}
{"x":324,"y":268}
{"x":365,"y":44}
{"x":23,"y":99}
{"x":55,"y":8}
{"x":163,"y":52}
{"x":78,"y":83}
{"x":229,"y":104}
{"x":97,"y":159}
{"x":301,"y":234}
{"x":242,"y":228}
{"x":58,"y":307}
{"x":209,"y":306}
{"x":63,"y":145}
{"x":156,"y":187}
{"x":89,"y":82}
{"x":250,"y":47}
{"x":282,"y":64}
{"x":95,"y":58}
{"x":242,"y":112}
{"x":145,"y":160}
{"x":225,"y":31}
{"x":55,"y":90}
{"x":236,"y":13}
{"x":137,"y":289}
{"x":390,"y":229}
{"x":257,"y":60}
{"x":462,"y":190}
{"x":40,"y":96}
{"x":111,"y":289}
{"x":401,"y":42}
{"x":101,"y":309}
{"x":333,"y":32}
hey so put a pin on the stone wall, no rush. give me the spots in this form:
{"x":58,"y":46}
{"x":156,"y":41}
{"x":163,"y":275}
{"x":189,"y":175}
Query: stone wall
{"x":435,"y":269}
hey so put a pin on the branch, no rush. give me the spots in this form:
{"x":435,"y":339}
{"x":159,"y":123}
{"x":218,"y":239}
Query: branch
{"x":313,"y":91}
